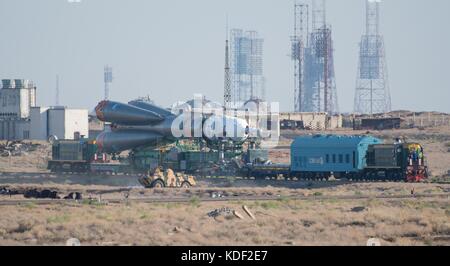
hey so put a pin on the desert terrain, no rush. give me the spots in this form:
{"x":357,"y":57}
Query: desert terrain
{"x":116,"y":211}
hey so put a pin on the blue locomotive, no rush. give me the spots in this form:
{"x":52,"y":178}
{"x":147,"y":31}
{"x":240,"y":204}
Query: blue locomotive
{"x":352,"y":157}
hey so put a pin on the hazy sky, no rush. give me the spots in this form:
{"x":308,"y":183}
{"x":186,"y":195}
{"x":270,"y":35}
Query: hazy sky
{"x":171,"y":49}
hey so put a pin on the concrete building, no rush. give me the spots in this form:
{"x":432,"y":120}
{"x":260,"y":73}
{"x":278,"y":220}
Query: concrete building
{"x":20,"y":118}
{"x":17,"y":97}
{"x":61,"y":122}
{"x":14,"y":129}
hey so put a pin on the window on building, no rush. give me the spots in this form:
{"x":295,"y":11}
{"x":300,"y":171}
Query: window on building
{"x":347,"y":158}
{"x":334,"y":158}
{"x":341,"y":158}
{"x":327,"y":158}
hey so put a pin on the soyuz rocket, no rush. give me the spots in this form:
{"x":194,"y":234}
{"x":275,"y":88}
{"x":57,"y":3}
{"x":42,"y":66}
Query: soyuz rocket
{"x":141,"y":124}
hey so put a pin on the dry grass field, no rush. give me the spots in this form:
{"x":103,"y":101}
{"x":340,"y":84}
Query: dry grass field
{"x":311,"y":221}
{"x":284,"y":222}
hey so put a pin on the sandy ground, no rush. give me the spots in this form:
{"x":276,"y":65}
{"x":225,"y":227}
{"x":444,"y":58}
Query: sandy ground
{"x":32,"y":162}
{"x":328,"y":222}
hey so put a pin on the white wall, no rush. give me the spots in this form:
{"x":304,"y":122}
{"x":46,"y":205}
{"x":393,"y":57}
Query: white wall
{"x":38,"y":128}
{"x":76,"y":121}
{"x":17,"y":102}
{"x":56,"y":123}
{"x":61,"y":122}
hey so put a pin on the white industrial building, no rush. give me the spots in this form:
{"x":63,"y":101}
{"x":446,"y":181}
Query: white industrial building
{"x":58,"y":121}
{"x":21,"y":119}
{"x":17,"y":96}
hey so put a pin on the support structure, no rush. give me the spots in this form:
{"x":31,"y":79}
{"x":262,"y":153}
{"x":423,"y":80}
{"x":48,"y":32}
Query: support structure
{"x":372,"y":94}
{"x":246,"y":66}
{"x":57,"y":91}
{"x":298,"y":42}
{"x":108,"y":78}
{"x":313,"y":54}
{"x":227,"y":95}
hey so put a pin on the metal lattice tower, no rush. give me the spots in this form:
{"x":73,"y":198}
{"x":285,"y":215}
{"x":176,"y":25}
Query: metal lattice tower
{"x":246,"y":65}
{"x":227,"y":97}
{"x":108,"y":78}
{"x":372,"y":94}
{"x":57,"y":91}
{"x":319,"y":82}
{"x":298,"y":42}
{"x":319,"y":14}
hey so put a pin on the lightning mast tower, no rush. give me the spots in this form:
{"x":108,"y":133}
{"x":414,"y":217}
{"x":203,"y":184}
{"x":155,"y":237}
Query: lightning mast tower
{"x":246,"y":65}
{"x":227,"y":86}
{"x":57,"y":91}
{"x":108,"y":78}
{"x":372,"y":94}
{"x":298,"y":43}
{"x":320,"y":93}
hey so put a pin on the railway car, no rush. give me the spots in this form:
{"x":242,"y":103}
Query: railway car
{"x":318,"y":157}
{"x":356,"y":158}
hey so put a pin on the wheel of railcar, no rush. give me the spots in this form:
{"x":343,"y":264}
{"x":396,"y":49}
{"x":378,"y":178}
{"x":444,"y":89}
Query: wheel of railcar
{"x":56,"y":168}
{"x":80,"y":168}
{"x":388,"y":176}
{"x":350,"y":176}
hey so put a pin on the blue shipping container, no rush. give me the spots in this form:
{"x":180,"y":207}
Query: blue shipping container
{"x":330,"y":153}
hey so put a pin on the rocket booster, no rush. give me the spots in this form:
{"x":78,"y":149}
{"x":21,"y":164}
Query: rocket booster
{"x":140,"y":124}
{"x":126,"y":114}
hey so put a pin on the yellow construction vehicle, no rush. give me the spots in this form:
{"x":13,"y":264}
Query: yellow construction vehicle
{"x":160,"y":179}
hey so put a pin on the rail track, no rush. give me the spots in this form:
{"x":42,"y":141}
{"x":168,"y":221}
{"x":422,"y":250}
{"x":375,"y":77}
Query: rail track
{"x":221,"y":199}
{"x":24,"y":176}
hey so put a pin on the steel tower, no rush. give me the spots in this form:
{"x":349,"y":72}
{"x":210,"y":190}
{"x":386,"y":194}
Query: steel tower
{"x":227,"y":97}
{"x":372,"y":94}
{"x":108,"y":78}
{"x":246,"y":68}
{"x":317,"y":82}
{"x":57,"y":91}
{"x":298,"y":43}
